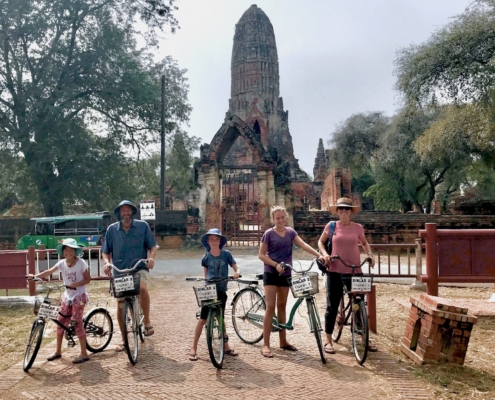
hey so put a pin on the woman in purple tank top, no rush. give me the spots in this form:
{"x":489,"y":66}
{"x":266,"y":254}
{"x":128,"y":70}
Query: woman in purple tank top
{"x":276,"y":247}
{"x":345,"y":242}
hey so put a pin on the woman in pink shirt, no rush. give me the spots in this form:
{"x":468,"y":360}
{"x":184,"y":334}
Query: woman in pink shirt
{"x":345,"y":242}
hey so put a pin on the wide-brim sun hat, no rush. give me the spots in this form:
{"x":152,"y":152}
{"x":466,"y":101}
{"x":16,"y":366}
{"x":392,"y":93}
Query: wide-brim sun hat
{"x":213,"y":231}
{"x":344,"y":202}
{"x":69,"y":243}
{"x":125,"y":203}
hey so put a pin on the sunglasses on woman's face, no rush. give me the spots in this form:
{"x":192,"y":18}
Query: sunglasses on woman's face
{"x":344,"y":208}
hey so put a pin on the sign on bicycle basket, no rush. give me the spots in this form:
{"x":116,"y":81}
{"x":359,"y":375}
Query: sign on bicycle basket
{"x":208,"y":292}
{"x":48,"y":311}
{"x":361,"y":284}
{"x":124,"y":283}
{"x":302,"y":284}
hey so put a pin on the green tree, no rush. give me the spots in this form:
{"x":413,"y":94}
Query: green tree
{"x":78,"y":98}
{"x":455,"y":64}
{"x":402,"y":178}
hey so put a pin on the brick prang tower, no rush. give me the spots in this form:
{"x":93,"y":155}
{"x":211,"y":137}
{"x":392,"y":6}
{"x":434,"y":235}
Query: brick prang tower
{"x":255,"y":91}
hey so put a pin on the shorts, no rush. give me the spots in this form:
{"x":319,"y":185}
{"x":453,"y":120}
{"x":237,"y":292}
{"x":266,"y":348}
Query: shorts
{"x":222,"y":296}
{"x":144,"y":275}
{"x":270,"y":279}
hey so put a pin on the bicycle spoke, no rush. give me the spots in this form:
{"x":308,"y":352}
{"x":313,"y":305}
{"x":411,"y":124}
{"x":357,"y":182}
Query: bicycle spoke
{"x":359,"y":331}
{"x":248,"y":302}
{"x":99,"y":330}
{"x":215,"y":336}
{"x":34,"y":344}
{"x":130,"y":332}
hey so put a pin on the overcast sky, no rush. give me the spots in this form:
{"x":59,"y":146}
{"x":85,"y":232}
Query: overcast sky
{"x":336,"y":58}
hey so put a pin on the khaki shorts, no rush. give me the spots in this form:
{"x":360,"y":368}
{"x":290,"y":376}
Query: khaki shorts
{"x":144,"y":275}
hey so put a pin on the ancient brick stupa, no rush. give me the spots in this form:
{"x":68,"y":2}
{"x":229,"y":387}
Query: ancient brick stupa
{"x":255,"y":92}
{"x":249,"y":165}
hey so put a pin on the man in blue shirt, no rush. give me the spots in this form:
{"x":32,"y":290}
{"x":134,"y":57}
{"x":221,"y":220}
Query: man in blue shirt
{"x":126,"y":242}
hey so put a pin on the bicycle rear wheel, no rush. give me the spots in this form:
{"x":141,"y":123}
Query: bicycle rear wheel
{"x":131,"y":341}
{"x":249,"y":301}
{"x":99,"y":329}
{"x":215,"y":336}
{"x":315,"y":325}
{"x":34,"y":344}
{"x":360,"y":332}
{"x":339,"y":321}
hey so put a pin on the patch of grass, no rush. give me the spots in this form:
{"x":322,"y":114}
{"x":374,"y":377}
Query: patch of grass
{"x":16,"y":322}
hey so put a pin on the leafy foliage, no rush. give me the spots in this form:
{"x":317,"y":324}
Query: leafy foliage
{"x":78,"y":99}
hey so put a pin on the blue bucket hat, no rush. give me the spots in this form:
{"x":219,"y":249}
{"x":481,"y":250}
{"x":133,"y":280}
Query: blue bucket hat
{"x":213,"y":231}
{"x":69,"y":243}
{"x":125,"y":203}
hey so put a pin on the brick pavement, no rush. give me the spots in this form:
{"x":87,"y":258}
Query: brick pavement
{"x":164,"y":371}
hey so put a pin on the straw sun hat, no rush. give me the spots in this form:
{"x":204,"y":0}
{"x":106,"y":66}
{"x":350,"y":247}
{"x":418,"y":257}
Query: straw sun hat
{"x":344,"y":202}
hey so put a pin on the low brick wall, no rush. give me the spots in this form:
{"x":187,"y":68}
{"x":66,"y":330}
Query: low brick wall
{"x":388,"y":227}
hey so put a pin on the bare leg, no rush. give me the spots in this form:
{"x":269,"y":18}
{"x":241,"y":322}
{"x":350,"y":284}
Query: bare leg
{"x":270,"y":297}
{"x":59,"y":344}
{"x":82,"y":342}
{"x":120,"y":305}
{"x":282,"y":293}
{"x":144,"y":299}
{"x":197,"y":334}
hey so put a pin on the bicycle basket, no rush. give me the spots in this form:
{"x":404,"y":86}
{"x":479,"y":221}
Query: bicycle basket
{"x":38,"y":300}
{"x":304,"y":285}
{"x":126,"y":285}
{"x":205,"y":294}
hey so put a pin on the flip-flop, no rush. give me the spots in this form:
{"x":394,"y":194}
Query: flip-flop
{"x":267,"y":354}
{"x":119,"y":348}
{"x":148,"y":331}
{"x":54,"y":357}
{"x":193,"y":357}
{"x":289,"y":347}
{"x":329,"y":348}
{"x":371,"y":347}
{"x":80,"y":360}
{"x":231,"y":352}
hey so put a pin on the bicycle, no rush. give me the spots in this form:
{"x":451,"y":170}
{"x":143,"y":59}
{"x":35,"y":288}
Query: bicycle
{"x":127,"y":285}
{"x":359,"y":286}
{"x":97,"y":323}
{"x":206,"y":296}
{"x":249,"y":306}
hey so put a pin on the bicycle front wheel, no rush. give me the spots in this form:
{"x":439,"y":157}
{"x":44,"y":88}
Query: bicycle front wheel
{"x":34,"y":344}
{"x":215,"y":336}
{"x":140,"y":319}
{"x":131,"y":340}
{"x":315,"y":325}
{"x":360,"y":332}
{"x":99,"y":330}
{"x":248,"y":311}
{"x":339,"y":321}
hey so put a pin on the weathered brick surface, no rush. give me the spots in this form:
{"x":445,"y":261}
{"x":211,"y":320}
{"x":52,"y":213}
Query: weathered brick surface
{"x":164,"y":371}
{"x":436,"y":328}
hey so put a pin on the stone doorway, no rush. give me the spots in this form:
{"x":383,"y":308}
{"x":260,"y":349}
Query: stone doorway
{"x":241,"y":222}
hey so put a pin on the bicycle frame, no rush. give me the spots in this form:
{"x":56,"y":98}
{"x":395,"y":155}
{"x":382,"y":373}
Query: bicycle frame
{"x":257,"y":319}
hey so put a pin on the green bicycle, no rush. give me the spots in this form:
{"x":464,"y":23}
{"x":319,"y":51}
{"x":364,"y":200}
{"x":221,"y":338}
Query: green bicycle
{"x":249,"y":305}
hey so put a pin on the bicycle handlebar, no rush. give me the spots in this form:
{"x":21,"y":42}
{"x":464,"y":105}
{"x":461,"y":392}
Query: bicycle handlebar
{"x":212,"y":280}
{"x":337,"y":257}
{"x":128,"y":270}
{"x":300,"y":270}
{"x":46,"y":285}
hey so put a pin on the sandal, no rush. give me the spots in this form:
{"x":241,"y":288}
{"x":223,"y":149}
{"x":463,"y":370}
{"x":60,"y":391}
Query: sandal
{"x":289,"y":347}
{"x":231,"y":352}
{"x":80,"y":360}
{"x":267,"y":354}
{"x":119,"y":348}
{"x":148,"y":331}
{"x":329,"y":348}
{"x":54,"y":356}
{"x":371,"y":347}
{"x":193,"y":357}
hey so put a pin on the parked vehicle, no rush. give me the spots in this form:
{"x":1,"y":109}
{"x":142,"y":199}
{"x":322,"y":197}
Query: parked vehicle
{"x":87,"y":229}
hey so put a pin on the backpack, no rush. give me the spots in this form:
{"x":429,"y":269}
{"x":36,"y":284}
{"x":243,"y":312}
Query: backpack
{"x":323,"y":267}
